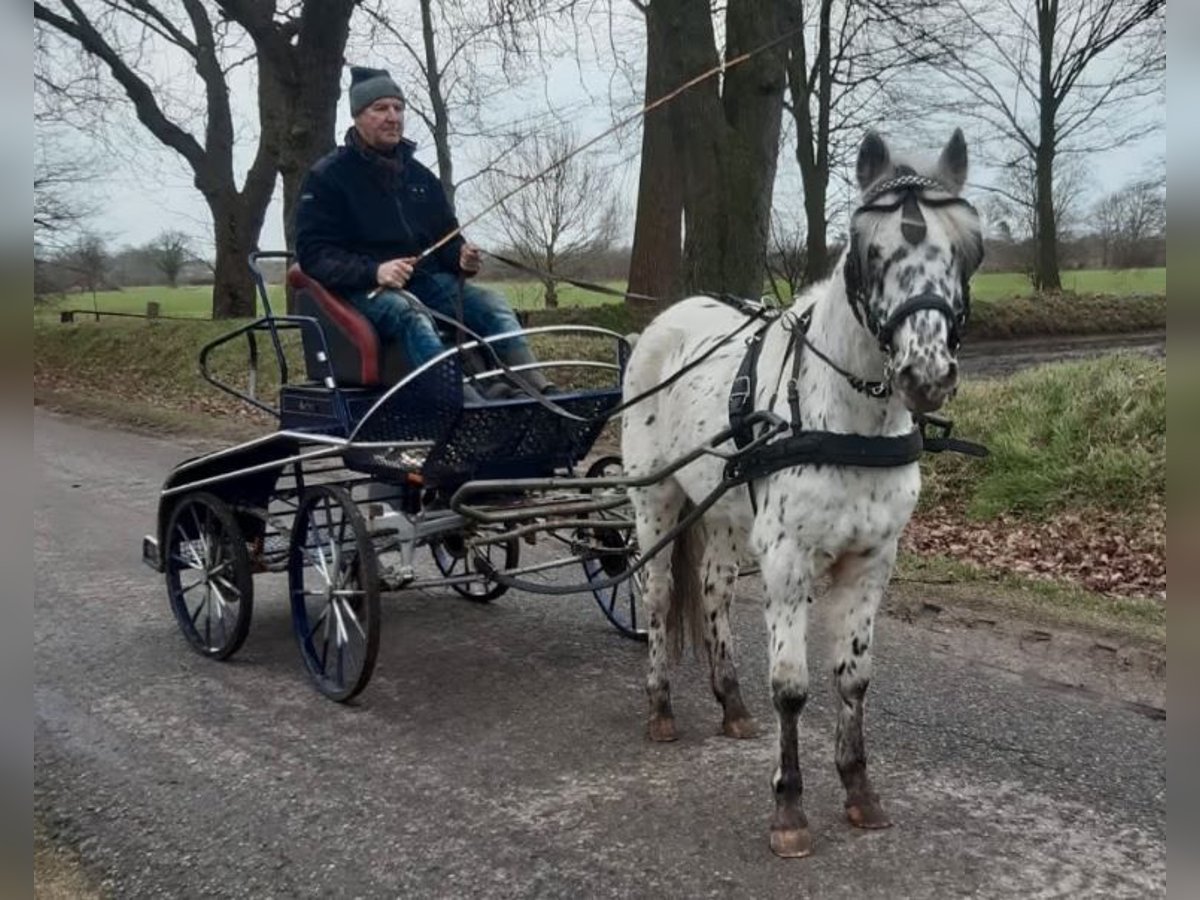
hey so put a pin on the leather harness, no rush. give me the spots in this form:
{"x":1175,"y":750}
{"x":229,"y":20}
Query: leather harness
{"x":761,"y":455}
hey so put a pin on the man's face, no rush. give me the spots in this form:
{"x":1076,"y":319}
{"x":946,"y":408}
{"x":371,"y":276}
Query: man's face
{"x":381,"y":124}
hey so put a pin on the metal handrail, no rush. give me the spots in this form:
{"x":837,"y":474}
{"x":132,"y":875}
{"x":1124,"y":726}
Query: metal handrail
{"x":261,"y":281}
{"x":274,"y":324}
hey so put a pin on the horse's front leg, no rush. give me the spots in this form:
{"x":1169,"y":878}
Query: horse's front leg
{"x":857,"y":589}
{"x":787,"y":626}
{"x":719,"y":580}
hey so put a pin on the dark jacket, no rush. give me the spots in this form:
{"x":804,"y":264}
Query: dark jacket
{"x":358,"y":209}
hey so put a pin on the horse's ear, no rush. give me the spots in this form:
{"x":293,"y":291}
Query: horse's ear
{"x":873,"y":160}
{"x":952,"y":164}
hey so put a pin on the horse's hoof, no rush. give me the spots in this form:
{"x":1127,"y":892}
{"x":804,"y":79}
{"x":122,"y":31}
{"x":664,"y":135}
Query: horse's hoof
{"x":662,"y":729}
{"x":791,"y":843}
{"x":867,"y":812}
{"x":742,"y":728}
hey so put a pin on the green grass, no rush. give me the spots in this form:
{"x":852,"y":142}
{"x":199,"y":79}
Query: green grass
{"x":193,"y":301}
{"x":196,"y":301}
{"x":1118,"y":282}
{"x":1068,"y":435}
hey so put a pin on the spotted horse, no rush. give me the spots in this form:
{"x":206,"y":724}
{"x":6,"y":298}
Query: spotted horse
{"x":851,"y":365}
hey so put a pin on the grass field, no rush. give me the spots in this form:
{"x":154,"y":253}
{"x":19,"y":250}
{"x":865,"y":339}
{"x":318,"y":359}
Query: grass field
{"x":197,"y":301}
{"x":1077,"y":435}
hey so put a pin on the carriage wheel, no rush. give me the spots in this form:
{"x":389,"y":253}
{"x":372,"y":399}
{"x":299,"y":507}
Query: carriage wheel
{"x":333,"y":581}
{"x":453,"y":558}
{"x":621,"y":603}
{"x":208,"y":574}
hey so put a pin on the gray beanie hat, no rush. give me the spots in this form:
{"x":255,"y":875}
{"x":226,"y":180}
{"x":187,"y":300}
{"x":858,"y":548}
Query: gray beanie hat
{"x":369,"y":85}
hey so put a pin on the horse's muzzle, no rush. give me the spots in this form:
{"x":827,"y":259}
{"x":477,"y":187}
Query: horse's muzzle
{"x":925,"y":385}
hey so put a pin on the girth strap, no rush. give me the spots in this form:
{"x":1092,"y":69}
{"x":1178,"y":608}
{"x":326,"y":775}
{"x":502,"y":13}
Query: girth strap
{"x":827,"y":448}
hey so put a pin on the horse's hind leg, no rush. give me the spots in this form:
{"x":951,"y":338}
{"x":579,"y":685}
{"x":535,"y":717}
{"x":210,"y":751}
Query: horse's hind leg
{"x":656,"y":510}
{"x":858,"y":585}
{"x":719,"y":580}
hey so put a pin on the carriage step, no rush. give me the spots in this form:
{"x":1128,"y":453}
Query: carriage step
{"x":150,"y":554}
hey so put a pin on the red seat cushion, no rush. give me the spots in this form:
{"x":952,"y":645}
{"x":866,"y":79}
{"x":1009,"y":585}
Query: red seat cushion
{"x":348,"y":320}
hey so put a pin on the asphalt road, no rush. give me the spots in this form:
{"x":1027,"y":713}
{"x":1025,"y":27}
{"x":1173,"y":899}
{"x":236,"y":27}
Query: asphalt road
{"x":499,"y":750}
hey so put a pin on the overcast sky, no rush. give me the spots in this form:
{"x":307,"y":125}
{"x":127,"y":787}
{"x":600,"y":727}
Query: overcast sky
{"x":142,"y":191}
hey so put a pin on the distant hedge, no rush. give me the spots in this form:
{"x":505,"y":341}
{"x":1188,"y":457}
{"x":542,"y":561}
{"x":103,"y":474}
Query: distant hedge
{"x":991,"y":319}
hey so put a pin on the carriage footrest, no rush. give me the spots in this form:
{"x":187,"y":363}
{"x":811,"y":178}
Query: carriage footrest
{"x":150,"y":555}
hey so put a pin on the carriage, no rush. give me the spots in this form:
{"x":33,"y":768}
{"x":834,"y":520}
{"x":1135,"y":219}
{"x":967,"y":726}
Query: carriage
{"x":829,"y":404}
{"x":376,"y":468}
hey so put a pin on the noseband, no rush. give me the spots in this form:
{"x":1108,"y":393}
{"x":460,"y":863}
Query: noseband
{"x":911,"y":188}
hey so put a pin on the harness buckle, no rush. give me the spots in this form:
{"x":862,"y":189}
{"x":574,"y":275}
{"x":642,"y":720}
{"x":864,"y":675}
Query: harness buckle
{"x":739,"y":393}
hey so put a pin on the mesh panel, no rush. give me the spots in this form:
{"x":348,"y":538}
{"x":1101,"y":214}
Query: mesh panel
{"x":423,"y":410}
{"x":518,"y":438}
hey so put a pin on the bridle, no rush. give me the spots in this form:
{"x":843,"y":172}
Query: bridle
{"x":911,"y":188}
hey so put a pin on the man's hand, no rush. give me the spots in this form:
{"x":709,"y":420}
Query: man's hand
{"x":469,"y":260}
{"x":395,"y":272}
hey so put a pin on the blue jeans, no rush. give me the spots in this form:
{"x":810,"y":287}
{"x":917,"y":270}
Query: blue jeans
{"x":396,"y":319}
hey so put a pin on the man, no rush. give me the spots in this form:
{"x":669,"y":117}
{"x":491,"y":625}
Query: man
{"x":367,"y":211}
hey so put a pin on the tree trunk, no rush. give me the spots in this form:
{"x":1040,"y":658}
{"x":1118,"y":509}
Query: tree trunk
{"x":233,"y":287}
{"x":656,"y":262}
{"x":551,"y":294}
{"x":730,"y":143}
{"x":1046,"y":276}
{"x":298,"y":92}
{"x":812,"y":138}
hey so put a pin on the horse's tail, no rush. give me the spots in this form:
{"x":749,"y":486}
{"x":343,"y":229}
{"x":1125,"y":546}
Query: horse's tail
{"x":685,"y":613}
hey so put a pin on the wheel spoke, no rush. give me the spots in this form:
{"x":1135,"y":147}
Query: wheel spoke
{"x":318,"y":562}
{"x":229,"y":586}
{"x":200,"y":607}
{"x":190,"y":543}
{"x":186,"y":563}
{"x":320,"y":620}
{"x":183,"y":589}
{"x":349,"y":612}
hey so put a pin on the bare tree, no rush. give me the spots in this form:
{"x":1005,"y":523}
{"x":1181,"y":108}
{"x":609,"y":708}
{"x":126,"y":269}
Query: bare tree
{"x":298,"y":56}
{"x":1012,"y":203}
{"x":656,"y":260}
{"x":453,"y":60}
{"x":787,"y":254}
{"x":298,"y":50}
{"x":725,"y":138}
{"x":567,"y":212}
{"x":847,"y":61}
{"x":60,"y":177}
{"x":1055,"y":78}
{"x":170,"y":252}
{"x":1128,"y":220}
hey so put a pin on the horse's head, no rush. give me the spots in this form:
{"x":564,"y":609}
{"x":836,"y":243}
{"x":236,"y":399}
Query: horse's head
{"x":914,"y":244}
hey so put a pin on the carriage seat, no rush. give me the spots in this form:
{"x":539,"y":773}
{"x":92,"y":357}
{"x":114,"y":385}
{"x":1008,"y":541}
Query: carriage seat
{"x":356,"y":355}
